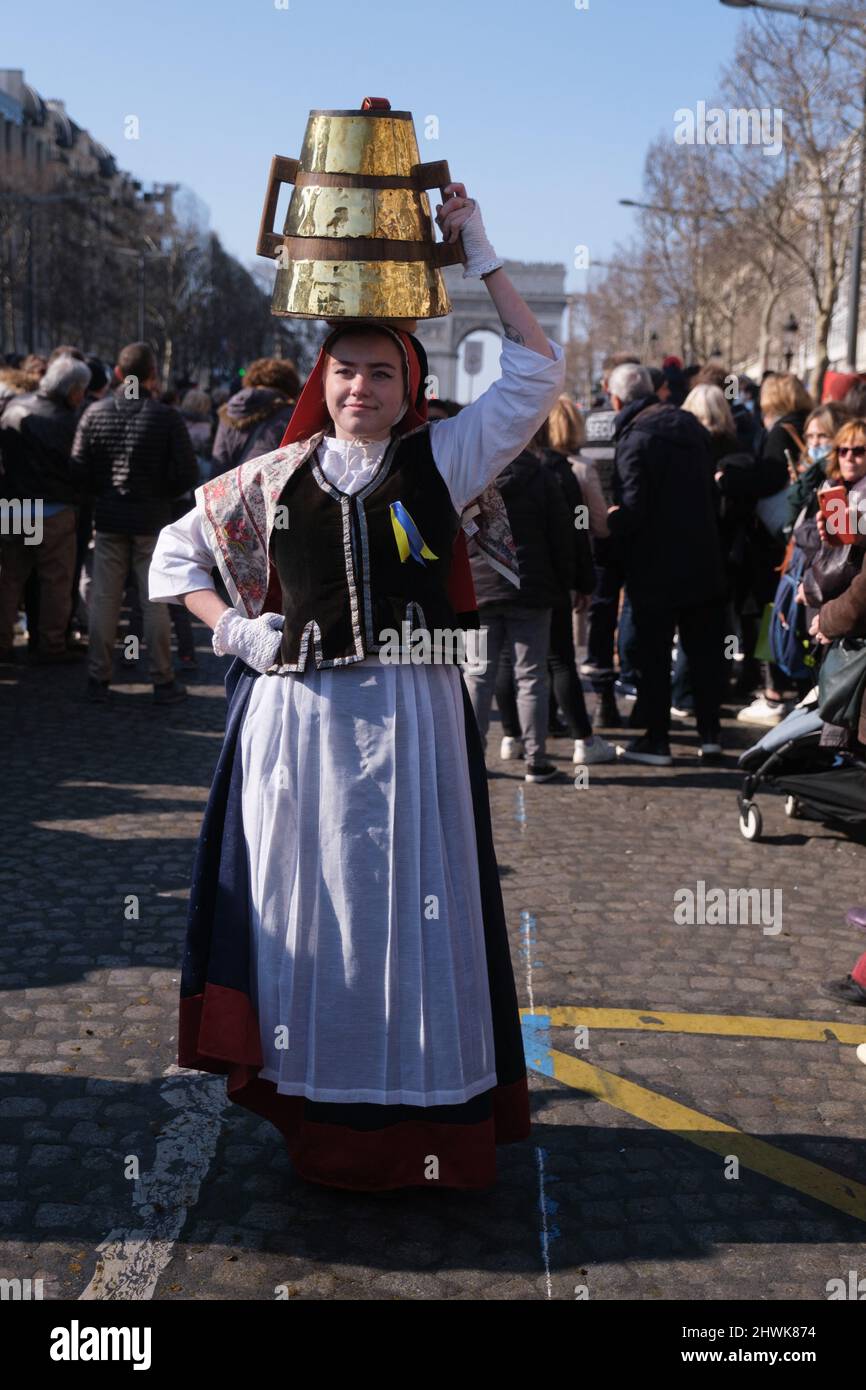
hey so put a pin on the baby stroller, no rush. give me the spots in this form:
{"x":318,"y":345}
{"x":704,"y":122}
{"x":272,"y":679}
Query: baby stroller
{"x":822,"y":784}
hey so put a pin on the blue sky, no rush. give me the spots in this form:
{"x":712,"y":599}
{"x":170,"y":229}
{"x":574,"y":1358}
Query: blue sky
{"x":545,"y":111}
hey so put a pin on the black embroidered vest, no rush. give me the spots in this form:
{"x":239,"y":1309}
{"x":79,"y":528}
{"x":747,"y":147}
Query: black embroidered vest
{"x":346,"y":591}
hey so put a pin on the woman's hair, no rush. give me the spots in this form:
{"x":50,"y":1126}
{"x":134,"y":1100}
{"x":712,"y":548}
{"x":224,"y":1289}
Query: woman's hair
{"x":277,"y":372}
{"x":854,"y":400}
{"x":712,"y":374}
{"x":852,"y":432}
{"x":709,"y":405}
{"x":830,"y":417}
{"x":17,"y":380}
{"x":784,"y":394}
{"x":562,"y":430}
{"x":196,"y":405}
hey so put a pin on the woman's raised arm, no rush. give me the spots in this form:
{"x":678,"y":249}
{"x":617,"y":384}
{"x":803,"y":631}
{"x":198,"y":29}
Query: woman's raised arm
{"x":471,"y":448}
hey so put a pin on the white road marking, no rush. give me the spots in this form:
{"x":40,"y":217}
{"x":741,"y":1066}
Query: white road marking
{"x":527,"y":933}
{"x":131,"y":1261}
{"x":545,"y":1232}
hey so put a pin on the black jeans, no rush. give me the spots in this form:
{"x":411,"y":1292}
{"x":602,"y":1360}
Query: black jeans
{"x":604,"y":614}
{"x":567,"y":691}
{"x":702,"y":630}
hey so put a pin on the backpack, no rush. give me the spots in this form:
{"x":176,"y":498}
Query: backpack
{"x":789,"y":650}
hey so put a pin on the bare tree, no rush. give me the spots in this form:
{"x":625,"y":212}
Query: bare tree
{"x":801,"y":199}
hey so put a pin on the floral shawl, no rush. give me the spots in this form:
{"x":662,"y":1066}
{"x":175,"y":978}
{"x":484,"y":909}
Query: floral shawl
{"x":238,"y":510}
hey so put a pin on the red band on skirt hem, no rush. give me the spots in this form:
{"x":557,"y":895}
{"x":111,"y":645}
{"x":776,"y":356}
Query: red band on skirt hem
{"x":219,"y":1033}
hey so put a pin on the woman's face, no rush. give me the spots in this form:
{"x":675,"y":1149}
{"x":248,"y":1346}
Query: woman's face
{"x":818,"y":436}
{"x":851,"y":457}
{"x":364,"y":386}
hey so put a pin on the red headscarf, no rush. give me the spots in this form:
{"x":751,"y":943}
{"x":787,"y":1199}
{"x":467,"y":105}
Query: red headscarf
{"x":310,"y":415}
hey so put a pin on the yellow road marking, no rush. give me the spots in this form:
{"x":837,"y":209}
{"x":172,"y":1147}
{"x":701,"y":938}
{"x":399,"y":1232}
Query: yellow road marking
{"x":734,"y":1025}
{"x":801,"y":1174}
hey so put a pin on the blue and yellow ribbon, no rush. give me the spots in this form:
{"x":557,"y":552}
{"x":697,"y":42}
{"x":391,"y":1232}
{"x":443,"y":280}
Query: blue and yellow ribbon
{"x":409,"y":538}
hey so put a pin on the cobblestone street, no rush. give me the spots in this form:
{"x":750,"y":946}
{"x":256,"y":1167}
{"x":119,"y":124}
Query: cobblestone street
{"x":625,"y":1188}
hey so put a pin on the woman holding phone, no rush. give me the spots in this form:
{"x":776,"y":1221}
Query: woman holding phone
{"x":840,"y":523}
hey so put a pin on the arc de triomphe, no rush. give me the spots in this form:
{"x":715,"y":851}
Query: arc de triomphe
{"x":540,"y":283}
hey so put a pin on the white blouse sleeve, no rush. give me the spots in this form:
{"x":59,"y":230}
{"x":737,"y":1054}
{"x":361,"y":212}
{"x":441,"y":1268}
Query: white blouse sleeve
{"x":471,"y":448}
{"x":181,"y":561}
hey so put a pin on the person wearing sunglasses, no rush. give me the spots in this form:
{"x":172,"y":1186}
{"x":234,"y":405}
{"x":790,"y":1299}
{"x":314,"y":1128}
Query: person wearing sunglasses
{"x":840,"y":521}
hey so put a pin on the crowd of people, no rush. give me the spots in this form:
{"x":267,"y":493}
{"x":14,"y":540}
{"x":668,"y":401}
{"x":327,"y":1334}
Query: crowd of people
{"x":101,"y":459}
{"x":652,"y":529}
{"x":656,"y":528}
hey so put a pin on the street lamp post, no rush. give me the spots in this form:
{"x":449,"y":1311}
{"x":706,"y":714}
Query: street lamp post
{"x":790,"y":328}
{"x":824,"y":17}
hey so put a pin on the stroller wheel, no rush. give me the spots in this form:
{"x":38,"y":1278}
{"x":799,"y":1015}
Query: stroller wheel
{"x":792,"y":807}
{"x":751,"y":822}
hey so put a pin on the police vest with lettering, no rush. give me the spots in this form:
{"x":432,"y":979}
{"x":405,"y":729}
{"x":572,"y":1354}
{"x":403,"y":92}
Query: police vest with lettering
{"x":600,"y":447}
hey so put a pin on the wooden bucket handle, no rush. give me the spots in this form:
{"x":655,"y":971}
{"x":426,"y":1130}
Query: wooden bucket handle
{"x":283,"y":170}
{"x":437,"y":174}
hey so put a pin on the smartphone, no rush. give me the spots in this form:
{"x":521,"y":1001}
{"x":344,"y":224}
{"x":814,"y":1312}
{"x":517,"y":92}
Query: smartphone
{"x":833,"y":502}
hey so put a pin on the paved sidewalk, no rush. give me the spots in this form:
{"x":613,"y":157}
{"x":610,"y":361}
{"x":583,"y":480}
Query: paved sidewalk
{"x":618,"y":1193}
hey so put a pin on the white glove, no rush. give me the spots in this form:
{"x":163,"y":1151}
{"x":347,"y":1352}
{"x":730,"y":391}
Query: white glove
{"x":256,"y":641}
{"x":480,"y":255}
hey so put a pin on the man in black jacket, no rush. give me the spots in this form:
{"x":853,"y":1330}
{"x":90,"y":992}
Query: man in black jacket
{"x":134,"y":455}
{"x":665,"y":516}
{"x":36,"y":435}
{"x":543,"y":533}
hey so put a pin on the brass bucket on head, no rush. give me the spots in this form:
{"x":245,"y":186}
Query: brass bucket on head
{"x":358,"y":242}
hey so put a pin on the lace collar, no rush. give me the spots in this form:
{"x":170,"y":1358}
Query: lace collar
{"x":349,"y":464}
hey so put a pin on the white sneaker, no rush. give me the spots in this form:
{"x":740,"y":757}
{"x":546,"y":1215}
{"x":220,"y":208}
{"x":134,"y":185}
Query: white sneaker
{"x":761,"y":711}
{"x":677,"y":713}
{"x":510,"y":749}
{"x":593,"y":750}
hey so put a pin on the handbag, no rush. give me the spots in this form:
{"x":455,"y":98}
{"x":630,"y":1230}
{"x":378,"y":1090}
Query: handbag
{"x":842,"y":682}
{"x":834,"y":568}
{"x":773,"y":511}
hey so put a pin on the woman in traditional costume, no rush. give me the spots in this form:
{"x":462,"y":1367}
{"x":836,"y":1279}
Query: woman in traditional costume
{"x":347,"y":962}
